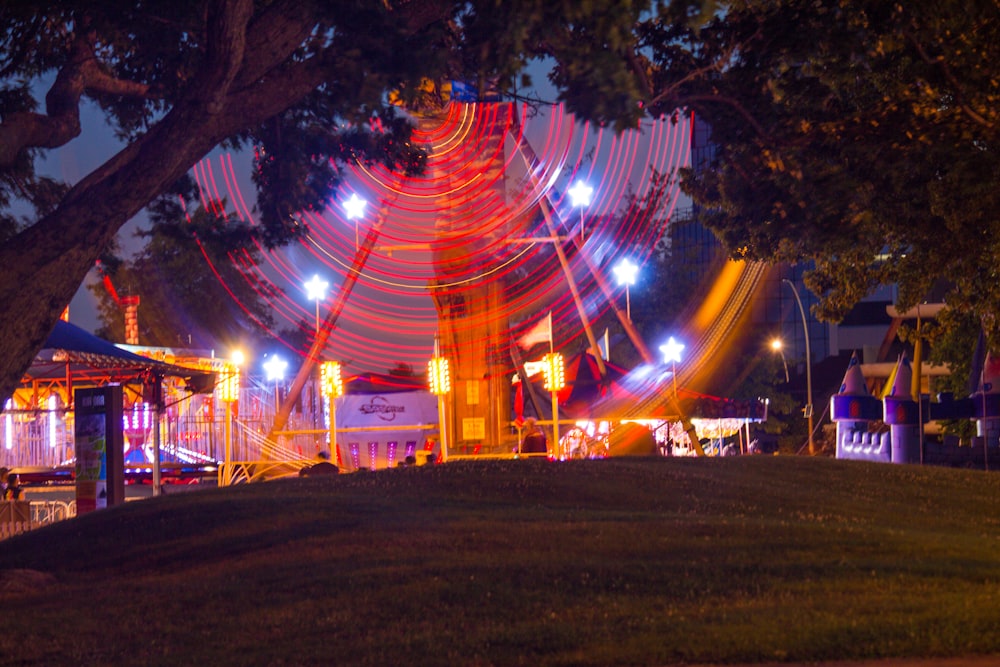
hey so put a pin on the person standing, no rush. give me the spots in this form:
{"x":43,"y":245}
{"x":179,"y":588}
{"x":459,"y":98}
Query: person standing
{"x":534,"y":438}
{"x":13,"y":490}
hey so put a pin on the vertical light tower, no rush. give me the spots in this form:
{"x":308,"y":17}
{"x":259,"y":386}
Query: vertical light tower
{"x":672,"y":353}
{"x":555,"y":379}
{"x":332,"y":383}
{"x":580,"y":195}
{"x":316,"y":291}
{"x":229,"y":393}
{"x":439,"y":379}
{"x":354,"y":207}
{"x":626,"y":272}
{"x":275,"y":367}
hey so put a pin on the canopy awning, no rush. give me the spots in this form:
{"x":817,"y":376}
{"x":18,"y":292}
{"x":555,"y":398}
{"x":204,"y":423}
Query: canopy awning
{"x":73,"y":352}
{"x":646,"y":392}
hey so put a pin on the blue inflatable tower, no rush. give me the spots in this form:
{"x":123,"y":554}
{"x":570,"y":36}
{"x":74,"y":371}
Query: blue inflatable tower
{"x":902,"y":414}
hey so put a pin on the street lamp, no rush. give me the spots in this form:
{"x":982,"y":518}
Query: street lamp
{"x":808,"y":411}
{"x":581,"y":193}
{"x":316,"y":291}
{"x":355,"y":208}
{"x":275,"y":368}
{"x":626,"y":271}
{"x":229,"y":393}
{"x":672,"y":353}
{"x":439,"y":381}
{"x":554,"y":372}
{"x":332,"y":385}
{"x":778,"y":347}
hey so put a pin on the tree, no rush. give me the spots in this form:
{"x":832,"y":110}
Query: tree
{"x":186,"y":277}
{"x":303,"y":82}
{"x":859,"y":135}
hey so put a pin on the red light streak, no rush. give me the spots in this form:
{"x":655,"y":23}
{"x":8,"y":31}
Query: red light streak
{"x":457,"y":211}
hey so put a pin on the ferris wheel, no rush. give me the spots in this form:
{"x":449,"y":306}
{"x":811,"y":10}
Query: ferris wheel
{"x":472,"y":226}
{"x":512,"y":220}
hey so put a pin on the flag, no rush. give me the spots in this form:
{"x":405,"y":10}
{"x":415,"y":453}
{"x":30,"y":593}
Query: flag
{"x":540,"y":333}
{"x":602,"y":347}
{"x":519,"y":404}
{"x":890,"y":381}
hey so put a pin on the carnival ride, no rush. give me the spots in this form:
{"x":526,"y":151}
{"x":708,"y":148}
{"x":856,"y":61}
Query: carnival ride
{"x":470,"y":255}
{"x":482,"y":244}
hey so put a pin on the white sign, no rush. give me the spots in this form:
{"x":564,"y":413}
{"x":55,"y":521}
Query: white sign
{"x":473,"y":428}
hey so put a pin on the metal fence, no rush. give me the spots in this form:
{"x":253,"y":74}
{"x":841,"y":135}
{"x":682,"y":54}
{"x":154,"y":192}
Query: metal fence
{"x":192,"y":431}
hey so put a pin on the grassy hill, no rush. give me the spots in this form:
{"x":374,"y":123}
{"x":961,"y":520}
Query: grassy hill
{"x":620,"y":561}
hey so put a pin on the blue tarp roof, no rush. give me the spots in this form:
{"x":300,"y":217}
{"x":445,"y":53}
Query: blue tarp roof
{"x":87,"y":353}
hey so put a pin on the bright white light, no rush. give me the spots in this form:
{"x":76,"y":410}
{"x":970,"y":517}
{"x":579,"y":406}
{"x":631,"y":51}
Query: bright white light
{"x":672,"y":350}
{"x":580,"y":194}
{"x":316,"y":288}
{"x":8,"y":426}
{"x":275,"y":367}
{"x":238,"y":357}
{"x":355,"y":207}
{"x":53,"y":424}
{"x":626,"y":272}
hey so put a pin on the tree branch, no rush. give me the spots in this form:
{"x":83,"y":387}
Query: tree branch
{"x":61,"y":121}
{"x":949,"y":75}
{"x":734,"y":104}
{"x":225,"y":37}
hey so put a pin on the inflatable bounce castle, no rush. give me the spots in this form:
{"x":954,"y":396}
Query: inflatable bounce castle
{"x":861,"y":419}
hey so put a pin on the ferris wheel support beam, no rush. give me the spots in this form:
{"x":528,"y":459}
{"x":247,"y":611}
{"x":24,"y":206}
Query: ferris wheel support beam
{"x":639,"y":344}
{"x":529,"y":157}
{"x":574,"y":290}
{"x":329,"y":322}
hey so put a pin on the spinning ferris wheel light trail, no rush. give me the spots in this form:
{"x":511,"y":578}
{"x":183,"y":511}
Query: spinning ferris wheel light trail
{"x":323,"y":332}
{"x":477,"y":242}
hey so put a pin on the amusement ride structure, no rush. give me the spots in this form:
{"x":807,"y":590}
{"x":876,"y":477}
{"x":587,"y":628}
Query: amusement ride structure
{"x":489,"y":240}
{"x":515,"y":222}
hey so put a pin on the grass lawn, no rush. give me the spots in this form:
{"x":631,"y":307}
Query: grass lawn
{"x":614,"y":562}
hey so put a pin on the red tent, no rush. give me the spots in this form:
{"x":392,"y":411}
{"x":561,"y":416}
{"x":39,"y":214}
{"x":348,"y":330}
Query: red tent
{"x":645,"y":392}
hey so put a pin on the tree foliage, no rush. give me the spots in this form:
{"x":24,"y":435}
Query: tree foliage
{"x":186,"y":277}
{"x":304,"y":83}
{"x":859,"y":135}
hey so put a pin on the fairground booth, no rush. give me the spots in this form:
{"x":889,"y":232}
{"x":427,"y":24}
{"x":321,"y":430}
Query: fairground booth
{"x":638,"y":412}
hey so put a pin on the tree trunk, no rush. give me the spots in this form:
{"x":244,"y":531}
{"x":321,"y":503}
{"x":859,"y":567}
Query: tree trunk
{"x":42,"y":267}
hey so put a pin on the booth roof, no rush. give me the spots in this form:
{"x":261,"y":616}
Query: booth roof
{"x":89,"y":355}
{"x":645,"y":392}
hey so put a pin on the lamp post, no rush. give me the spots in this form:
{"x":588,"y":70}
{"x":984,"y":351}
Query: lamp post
{"x":672,"y":352}
{"x":554,"y":372}
{"x":229,"y":394}
{"x":439,"y":379}
{"x":808,"y":411}
{"x":581,"y":193}
{"x":626,"y":271}
{"x":355,"y":208}
{"x":275,"y":368}
{"x":778,"y":347}
{"x":316,"y":291}
{"x":332,"y":383}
